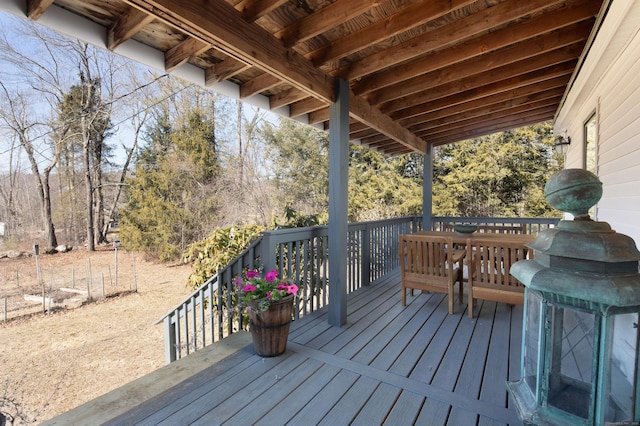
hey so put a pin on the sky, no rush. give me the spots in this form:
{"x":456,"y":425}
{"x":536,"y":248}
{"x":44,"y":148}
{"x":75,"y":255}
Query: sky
{"x":10,"y":77}
{"x":123,"y":134}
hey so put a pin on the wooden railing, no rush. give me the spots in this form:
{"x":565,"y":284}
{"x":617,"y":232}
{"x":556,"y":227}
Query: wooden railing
{"x":531,"y":225}
{"x":211,"y":312}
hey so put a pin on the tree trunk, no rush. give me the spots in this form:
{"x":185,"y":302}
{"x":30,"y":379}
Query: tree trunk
{"x":99,"y":195}
{"x":86,"y":153}
{"x":50,"y":231}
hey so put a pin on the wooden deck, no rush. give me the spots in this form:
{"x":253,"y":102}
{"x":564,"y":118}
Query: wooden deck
{"x":388,"y":365}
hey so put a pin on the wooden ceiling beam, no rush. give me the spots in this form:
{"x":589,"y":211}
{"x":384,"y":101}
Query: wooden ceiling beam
{"x":528,"y":93}
{"x":219,"y":24}
{"x":253,"y":10}
{"x":541,"y":68}
{"x":319,"y":116}
{"x":541,"y":30}
{"x":36,"y":8}
{"x":482,"y":128}
{"x":366,"y":133}
{"x":406,"y":19}
{"x":491,"y":129}
{"x":383,"y":123}
{"x":223,"y":70}
{"x":126,"y":26}
{"x":305,"y":106}
{"x":322,"y":20}
{"x":387,"y":146}
{"x":451,"y":120}
{"x":487,"y":125}
{"x":181,"y":53}
{"x":547,"y":100}
{"x":259,"y":84}
{"x":560,"y":44}
{"x":461,"y":119}
{"x":447,"y":35}
{"x":286,"y":97}
{"x":443,"y":106}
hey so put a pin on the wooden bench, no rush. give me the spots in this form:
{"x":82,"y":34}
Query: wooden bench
{"x":516,"y":228}
{"x":489,"y":262}
{"x":503,"y":229}
{"x":430,"y":263}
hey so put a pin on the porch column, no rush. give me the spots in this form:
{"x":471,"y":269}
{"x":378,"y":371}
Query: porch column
{"x":427,"y":188}
{"x":338,"y":185}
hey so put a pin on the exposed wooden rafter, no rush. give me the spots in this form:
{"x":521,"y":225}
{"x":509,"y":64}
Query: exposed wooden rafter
{"x":216,"y":22}
{"x":223,"y":70}
{"x":35,"y":8}
{"x":420,"y":72}
{"x":127,"y":25}
{"x":181,"y":53}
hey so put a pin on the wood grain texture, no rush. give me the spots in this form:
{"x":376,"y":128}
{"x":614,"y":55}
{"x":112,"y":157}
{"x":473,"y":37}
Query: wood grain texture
{"x":401,"y":364}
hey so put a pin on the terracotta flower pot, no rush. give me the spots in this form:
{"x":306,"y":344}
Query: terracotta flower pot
{"x":270,"y":328}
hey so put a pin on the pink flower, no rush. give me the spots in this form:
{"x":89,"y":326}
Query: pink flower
{"x":238,"y":281}
{"x":282,"y":286}
{"x":268,"y":295}
{"x":292,"y":289}
{"x":249,"y":288}
{"x":271,"y":276}
{"x":252,"y":274}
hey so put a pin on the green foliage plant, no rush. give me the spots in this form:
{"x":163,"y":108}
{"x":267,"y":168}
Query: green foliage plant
{"x":500,"y":175}
{"x":210,"y":255}
{"x":172,"y":194}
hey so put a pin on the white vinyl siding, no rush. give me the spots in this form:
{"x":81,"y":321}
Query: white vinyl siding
{"x":609,"y":84}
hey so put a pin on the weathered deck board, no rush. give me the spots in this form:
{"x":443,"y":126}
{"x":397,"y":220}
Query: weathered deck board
{"x":472,"y":370}
{"x":388,"y":365}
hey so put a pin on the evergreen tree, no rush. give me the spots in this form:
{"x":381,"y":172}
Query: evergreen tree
{"x":501,"y":175}
{"x":171,"y":197}
{"x":381,"y":188}
{"x":300,"y":163}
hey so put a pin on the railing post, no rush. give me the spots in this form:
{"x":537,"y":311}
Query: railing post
{"x":415,"y":224}
{"x":169,"y":341}
{"x":267,"y":251}
{"x":365,"y":249}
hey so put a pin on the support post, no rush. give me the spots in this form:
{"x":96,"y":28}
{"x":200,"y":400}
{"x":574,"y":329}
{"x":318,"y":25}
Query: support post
{"x":338,"y":193}
{"x":427,"y":188}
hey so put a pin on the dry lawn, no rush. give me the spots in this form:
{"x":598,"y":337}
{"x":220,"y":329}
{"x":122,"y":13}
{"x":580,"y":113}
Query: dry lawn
{"x":50,"y":363}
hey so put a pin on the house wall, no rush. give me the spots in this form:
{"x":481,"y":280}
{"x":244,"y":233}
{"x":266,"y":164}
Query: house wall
{"x":609,"y":85}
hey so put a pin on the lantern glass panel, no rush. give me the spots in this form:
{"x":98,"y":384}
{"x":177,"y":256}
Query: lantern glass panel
{"x":621,"y":367}
{"x":532,"y":340}
{"x":571,"y":362}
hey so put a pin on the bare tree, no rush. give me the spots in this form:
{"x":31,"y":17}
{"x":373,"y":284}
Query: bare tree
{"x":16,"y":116}
{"x":139,"y":115}
{"x":8,"y":189}
{"x":77,"y":88}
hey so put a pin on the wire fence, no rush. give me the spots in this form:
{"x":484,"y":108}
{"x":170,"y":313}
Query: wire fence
{"x":38,"y":285}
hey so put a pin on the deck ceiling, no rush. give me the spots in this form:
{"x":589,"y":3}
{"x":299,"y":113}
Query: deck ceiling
{"x":420,"y":72}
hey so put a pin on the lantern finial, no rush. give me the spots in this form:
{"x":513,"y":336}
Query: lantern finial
{"x":573,"y":191}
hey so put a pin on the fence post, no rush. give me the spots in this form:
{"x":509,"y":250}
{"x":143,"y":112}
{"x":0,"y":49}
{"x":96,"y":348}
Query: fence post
{"x":135,"y":278}
{"x":115,"y":261}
